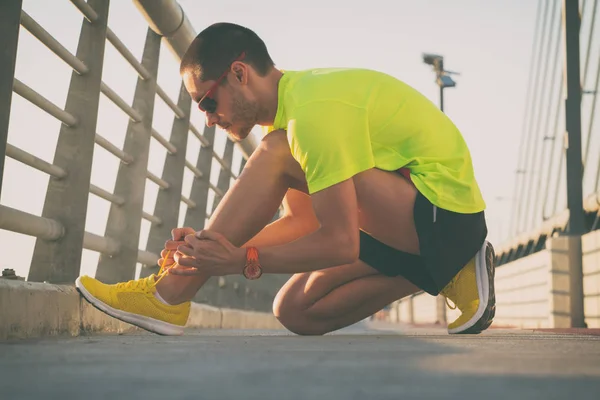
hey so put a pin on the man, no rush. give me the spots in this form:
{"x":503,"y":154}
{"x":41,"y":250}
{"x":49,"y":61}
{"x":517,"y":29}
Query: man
{"x":377,"y":185}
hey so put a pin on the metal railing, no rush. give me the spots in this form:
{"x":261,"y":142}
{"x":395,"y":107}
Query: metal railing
{"x":60,"y":230}
{"x":540,"y":205}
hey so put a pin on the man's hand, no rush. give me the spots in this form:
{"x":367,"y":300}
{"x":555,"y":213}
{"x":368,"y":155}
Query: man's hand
{"x":208,"y":253}
{"x":178,"y":236}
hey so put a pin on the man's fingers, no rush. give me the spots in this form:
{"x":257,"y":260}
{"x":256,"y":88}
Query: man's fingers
{"x":186,"y":250}
{"x":182,"y":258}
{"x":217,"y":237}
{"x":172,"y":244}
{"x":179,"y":233}
{"x":187,"y":262}
{"x":190,"y":240}
{"x":167,"y":257}
{"x":176,"y":233}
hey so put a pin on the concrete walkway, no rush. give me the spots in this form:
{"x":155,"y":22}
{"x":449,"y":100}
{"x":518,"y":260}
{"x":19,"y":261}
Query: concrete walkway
{"x":361,"y":362}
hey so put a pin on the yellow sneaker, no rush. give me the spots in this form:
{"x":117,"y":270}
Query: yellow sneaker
{"x":472,"y":291}
{"x":134,"y":302}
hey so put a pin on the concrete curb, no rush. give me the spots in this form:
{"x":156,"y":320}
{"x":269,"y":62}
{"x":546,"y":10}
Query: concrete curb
{"x":33,"y":310}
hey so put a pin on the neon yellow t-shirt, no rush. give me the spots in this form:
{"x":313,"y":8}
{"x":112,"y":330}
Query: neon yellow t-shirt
{"x":341,"y":122}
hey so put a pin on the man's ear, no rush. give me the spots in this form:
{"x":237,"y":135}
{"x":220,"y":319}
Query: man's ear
{"x":240,"y":70}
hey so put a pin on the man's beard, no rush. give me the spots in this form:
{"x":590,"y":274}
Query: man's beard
{"x":244,"y":116}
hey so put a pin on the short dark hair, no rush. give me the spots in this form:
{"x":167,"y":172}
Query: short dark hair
{"x":217,"y":46}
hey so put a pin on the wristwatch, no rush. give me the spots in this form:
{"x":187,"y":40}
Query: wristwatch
{"x":252,"y":269}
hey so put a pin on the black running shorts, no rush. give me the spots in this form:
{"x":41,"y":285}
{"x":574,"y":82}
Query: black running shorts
{"x":447,"y":242}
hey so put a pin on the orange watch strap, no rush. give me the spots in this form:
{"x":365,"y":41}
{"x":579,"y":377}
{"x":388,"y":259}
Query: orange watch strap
{"x":252,"y":255}
{"x":252,"y":269}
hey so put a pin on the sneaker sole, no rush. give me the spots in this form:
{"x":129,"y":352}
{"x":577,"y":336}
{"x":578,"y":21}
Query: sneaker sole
{"x":484,"y":272}
{"x":147,"y":323}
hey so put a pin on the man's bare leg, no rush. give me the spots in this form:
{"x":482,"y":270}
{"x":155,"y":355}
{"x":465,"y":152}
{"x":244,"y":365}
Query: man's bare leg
{"x":246,"y":208}
{"x":315,"y":303}
{"x":323,"y":301}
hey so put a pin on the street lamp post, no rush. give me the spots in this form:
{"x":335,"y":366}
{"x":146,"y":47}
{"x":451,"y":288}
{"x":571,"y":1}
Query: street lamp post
{"x":443,"y":78}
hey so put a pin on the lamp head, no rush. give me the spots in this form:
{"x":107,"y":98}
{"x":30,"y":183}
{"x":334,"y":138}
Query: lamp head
{"x":432,"y":59}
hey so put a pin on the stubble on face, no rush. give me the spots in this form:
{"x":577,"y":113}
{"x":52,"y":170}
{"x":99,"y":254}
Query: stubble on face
{"x":244,"y":116}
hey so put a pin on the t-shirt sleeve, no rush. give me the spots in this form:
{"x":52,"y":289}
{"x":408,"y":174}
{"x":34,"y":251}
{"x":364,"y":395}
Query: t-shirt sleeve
{"x":331,"y":142}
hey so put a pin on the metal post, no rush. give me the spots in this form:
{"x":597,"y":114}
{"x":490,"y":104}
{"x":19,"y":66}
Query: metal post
{"x":10,"y":16}
{"x":196,"y":217}
{"x":224,"y":175}
{"x":124,"y":221}
{"x":67,"y":198}
{"x":576,"y":227}
{"x":168,"y":201}
{"x":441,"y":313}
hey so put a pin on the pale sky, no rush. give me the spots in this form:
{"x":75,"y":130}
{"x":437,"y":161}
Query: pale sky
{"x":489,"y":43}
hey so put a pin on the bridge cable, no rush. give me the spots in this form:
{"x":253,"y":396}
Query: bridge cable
{"x":527,"y":133}
{"x":587,"y":60}
{"x":527,"y":96}
{"x":534,"y":167}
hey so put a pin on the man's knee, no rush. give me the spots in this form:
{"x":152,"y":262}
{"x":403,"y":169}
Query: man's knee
{"x":287,"y":309}
{"x":293,"y":314}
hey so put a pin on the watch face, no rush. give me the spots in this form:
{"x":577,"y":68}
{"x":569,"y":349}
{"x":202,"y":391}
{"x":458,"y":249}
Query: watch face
{"x":252,"y":271}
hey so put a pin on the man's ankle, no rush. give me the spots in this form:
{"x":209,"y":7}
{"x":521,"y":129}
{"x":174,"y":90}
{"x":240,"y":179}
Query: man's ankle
{"x":166,"y":296}
{"x":161,"y":299}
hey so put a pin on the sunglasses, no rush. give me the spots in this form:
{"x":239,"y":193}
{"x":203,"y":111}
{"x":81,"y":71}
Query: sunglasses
{"x":207,"y":103}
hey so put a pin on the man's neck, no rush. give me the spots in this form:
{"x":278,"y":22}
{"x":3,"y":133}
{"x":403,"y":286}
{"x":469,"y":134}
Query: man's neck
{"x":269,"y":98}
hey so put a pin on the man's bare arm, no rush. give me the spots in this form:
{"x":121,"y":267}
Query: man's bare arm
{"x":298,"y":220}
{"x":252,"y":201}
{"x":335,"y":242}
